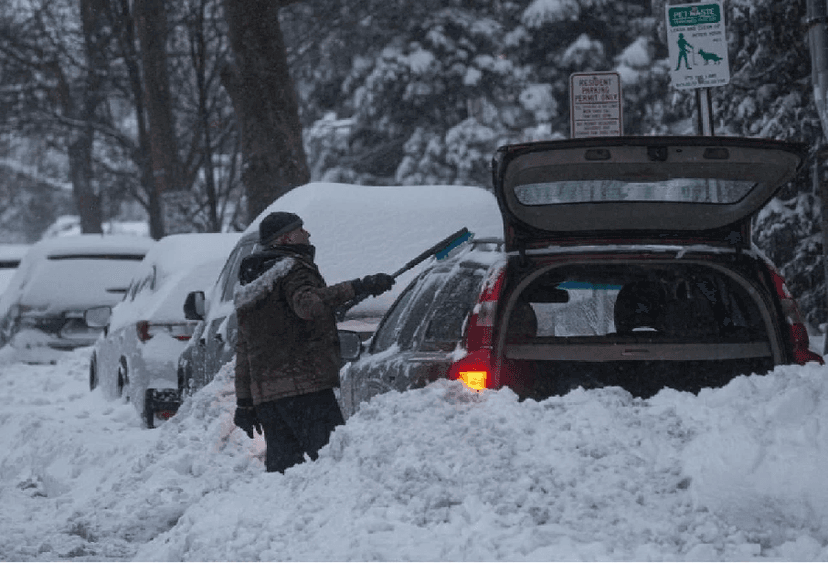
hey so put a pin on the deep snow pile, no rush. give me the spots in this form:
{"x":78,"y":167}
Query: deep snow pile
{"x":438,"y":473}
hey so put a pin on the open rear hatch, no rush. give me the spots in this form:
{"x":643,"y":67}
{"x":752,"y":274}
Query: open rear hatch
{"x":615,"y":190}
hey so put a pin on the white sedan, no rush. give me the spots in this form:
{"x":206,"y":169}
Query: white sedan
{"x":145,"y":333}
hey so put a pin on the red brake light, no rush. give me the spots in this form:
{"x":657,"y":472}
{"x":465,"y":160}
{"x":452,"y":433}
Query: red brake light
{"x":475,"y":369}
{"x":142,"y":327}
{"x":798,"y":334}
{"x":179,"y":331}
{"x":481,"y":322}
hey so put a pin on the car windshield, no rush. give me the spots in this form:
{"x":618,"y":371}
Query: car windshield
{"x":681,"y":190}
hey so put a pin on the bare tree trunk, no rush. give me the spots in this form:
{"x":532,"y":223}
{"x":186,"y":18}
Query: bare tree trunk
{"x":198,"y":52}
{"x":86,"y":194}
{"x":87,"y":198}
{"x":151,"y":23}
{"x":259,"y":83}
{"x":124,"y":23}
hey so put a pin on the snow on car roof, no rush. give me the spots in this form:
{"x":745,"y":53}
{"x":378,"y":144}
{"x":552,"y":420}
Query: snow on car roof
{"x":184,"y":263}
{"x":48,"y":277}
{"x":93,"y":244}
{"x":181,"y":252}
{"x":361,"y":230}
{"x":12,"y":252}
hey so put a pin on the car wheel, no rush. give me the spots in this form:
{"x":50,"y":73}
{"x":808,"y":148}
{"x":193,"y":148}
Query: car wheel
{"x":93,"y":373}
{"x":123,"y":379}
{"x":149,"y":408}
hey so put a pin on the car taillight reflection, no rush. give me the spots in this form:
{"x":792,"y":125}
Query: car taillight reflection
{"x":180,"y":331}
{"x":475,"y":369}
{"x":798,"y":334}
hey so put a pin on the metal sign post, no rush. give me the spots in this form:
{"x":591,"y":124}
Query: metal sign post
{"x":704,"y":110}
{"x":696,"y":41}
{"x":595,"y":104}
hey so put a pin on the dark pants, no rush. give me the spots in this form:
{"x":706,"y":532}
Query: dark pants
{"x":297,"y":425}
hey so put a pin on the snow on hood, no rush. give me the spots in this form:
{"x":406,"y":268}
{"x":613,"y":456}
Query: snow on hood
{"x":439,"y":473}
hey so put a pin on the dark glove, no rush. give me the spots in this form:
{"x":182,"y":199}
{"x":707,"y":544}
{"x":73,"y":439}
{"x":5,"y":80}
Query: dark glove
{"x":245,"y":417}
{"x":373,"y":285}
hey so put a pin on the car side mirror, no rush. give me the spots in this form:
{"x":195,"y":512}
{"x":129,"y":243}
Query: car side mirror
{"x":97,"y":317}
{"x":194,"y":309}
{"x":350,"y":345}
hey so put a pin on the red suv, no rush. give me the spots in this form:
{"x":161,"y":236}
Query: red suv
{"x":626,"y":262}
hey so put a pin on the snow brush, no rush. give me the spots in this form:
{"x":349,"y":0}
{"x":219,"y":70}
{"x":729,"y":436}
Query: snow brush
{"x":439,"y":251}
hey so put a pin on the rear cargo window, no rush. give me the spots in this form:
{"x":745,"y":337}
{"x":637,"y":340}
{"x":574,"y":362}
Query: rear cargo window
{"x":680,"y":190}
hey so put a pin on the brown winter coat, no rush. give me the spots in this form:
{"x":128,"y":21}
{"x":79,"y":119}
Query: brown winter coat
{"x":287,"y":342}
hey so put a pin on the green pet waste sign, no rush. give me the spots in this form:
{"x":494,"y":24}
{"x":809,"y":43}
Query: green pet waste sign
{"x":698,"y":49}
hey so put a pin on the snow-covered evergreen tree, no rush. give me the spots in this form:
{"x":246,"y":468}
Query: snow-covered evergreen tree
{"x":425,"y":92}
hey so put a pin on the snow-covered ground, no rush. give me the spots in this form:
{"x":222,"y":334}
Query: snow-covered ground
{"x":440,"y":473}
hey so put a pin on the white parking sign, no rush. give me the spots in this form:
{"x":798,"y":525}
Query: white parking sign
{"x":698,"y":49}
{"x":595,"y":104}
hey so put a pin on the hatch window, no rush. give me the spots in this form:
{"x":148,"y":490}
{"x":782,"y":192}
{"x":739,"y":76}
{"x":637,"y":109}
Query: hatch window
{"x":675,"y":190}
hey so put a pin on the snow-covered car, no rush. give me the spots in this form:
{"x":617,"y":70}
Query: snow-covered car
{"x":357,"y":230}
{"x":136,"y":356}
{"x":626,"y":262}
{"x":214,"y":337}
{"x":10,"y":257}
{"x":42,"y":309}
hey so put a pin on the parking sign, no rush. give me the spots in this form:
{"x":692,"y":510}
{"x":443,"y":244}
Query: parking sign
{"x":595,"y":104}
{"x":698,"y":49}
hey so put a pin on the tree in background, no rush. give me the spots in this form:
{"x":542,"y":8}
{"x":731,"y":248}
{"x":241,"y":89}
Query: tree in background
{"x":73,"y":82}
{"x":770,"y":96}
{"x":398,"y":92}
{"x":431,"y":89}
{"x":53,"y":61}
{"x":205,"y":117}
{"x":151,"y":25}
{"x":426,"y":97}
{"x":259,"y":82}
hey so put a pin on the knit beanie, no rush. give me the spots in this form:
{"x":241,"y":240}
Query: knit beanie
{"x":276,"y":224}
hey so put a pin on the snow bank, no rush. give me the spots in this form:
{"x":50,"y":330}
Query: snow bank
{"x":445,"y":474}
{"x":440,"y":473}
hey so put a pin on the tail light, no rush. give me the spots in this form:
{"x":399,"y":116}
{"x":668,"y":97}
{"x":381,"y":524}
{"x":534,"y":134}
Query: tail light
{"x":179,"y":331}
{"x":475,"y":369}
{"x":797,"y":332}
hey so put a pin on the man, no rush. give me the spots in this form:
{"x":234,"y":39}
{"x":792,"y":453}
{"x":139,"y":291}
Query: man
{"x":287,"y":351}
{"x":683,"y":45}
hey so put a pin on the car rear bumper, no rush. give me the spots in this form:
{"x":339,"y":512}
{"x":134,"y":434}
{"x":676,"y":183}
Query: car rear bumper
{"x":32,"y":339}
{"x":59,"y":333}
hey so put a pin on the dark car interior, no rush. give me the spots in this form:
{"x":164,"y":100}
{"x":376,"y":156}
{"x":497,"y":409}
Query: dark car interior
{"x":640,"y":327}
